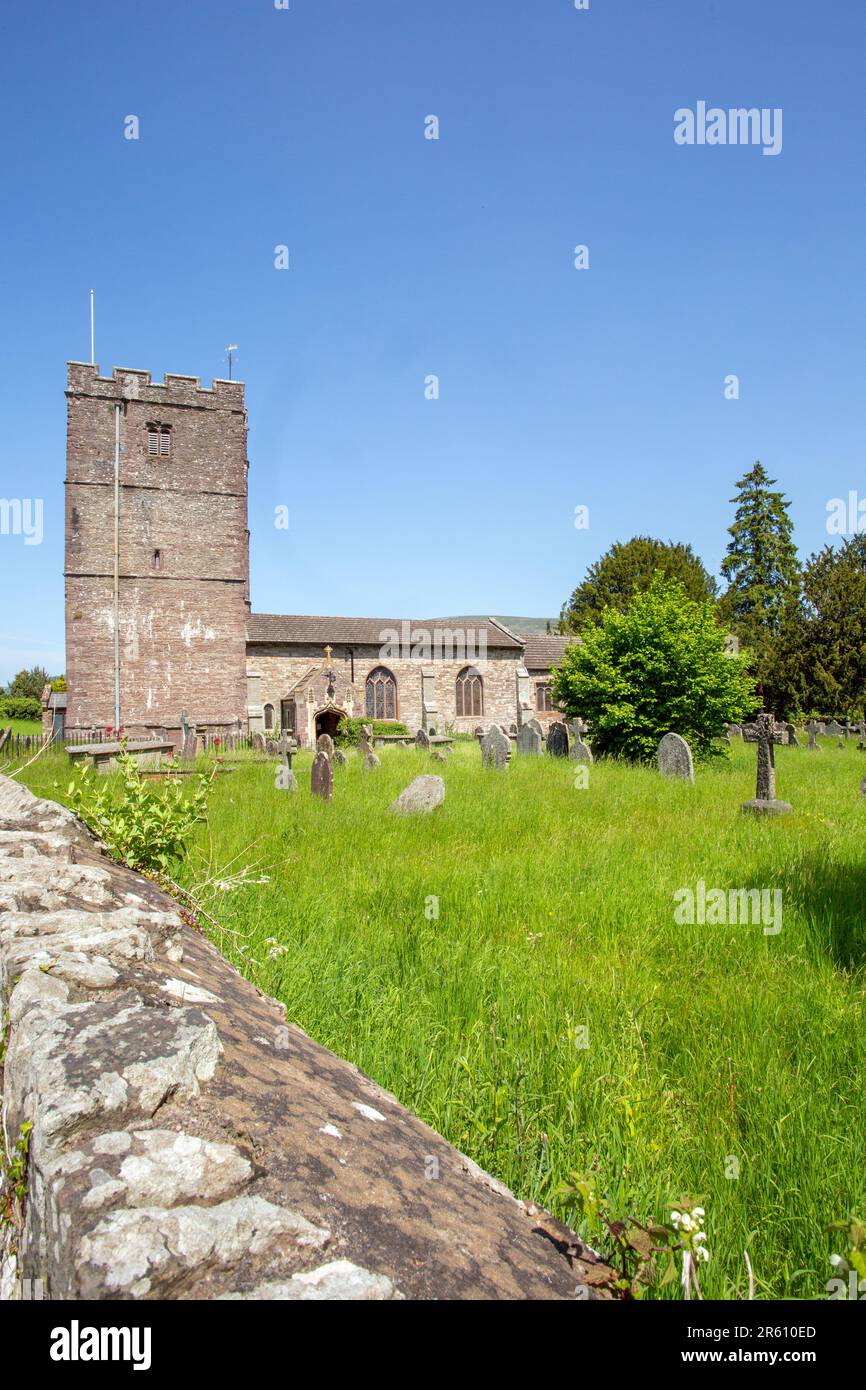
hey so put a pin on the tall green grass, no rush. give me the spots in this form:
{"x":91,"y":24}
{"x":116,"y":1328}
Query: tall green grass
{"x":711,"y":1050}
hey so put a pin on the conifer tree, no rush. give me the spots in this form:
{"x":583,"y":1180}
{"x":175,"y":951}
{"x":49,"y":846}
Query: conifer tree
{"x":761,"y":564}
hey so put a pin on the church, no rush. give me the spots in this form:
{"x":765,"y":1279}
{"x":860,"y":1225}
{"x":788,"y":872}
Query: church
{"x":157,"y":589}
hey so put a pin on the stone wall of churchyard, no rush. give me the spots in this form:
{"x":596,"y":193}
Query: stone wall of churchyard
{"x":281,"y":667}
{"x":188,"y":1141}
{"x":184,"y":554}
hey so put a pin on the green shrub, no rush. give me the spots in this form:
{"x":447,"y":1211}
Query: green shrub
{"x":349,"y":730}
{"x":20,"y":707}
{"x":661,"y":666}
{"x":58,"y":685}
{"x":149,"y":826}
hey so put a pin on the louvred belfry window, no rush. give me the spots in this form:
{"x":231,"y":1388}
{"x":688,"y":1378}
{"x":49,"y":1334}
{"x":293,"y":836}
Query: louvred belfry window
{"x":158,"y":440}
{"x":470,"y":693}
{"x":381,"y":695}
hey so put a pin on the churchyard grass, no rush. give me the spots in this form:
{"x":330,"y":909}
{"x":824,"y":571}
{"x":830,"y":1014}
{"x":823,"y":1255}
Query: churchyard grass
{"x":554,"y":1017}
{"x":21,"y":726}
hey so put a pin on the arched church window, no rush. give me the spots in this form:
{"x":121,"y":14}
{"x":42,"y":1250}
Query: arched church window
{"x":543,"y":698}
{"x":269,"y":716}
{"x":381,"y":695}
{"x":470,"y":693}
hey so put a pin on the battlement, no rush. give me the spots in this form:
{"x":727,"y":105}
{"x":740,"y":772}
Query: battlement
{"x":131,"y":383}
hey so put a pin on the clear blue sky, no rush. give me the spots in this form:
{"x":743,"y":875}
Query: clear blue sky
{"x":409,"y":257}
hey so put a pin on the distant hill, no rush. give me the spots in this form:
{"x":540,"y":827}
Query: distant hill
{"x":514,"y":624}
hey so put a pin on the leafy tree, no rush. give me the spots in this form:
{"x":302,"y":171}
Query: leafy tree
{"x":833,"y":642}
{"x":627,"y":569}
{"x":29,"y":683}
{"x":660,"y":666}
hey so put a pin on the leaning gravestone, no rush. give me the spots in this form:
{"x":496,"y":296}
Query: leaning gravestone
{"x":675,"y":758}
{"x":322,"y":776}
{"x":340,"y":758}
{"x":530,"y":740}
{"x":495,"y":748}
{"x":580,"y":751}
{"x":422,"y":739}
{"x":557,"y":740}
{"x":325,"y":744}
{"x":765,"y":801}
{"x":793,"y":740}
{"x":371,"y":762}
{"x":188,"y":751}
{"x":422,"y":795}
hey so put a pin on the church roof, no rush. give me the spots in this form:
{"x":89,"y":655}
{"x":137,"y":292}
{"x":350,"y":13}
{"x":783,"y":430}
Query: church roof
{"x":303,"y":628}
{"x":543,"y":649}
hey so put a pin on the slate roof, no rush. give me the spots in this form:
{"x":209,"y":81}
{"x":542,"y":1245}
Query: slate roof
{"x":317,"y":631}
{"x":543,"y":649}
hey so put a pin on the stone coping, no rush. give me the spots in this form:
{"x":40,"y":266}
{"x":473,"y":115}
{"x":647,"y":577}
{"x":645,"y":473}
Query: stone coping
{"x":190,"y":1142}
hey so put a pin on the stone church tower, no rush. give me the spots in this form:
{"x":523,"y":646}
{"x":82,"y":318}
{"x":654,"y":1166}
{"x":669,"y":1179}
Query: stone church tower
{"x":179,"y":585}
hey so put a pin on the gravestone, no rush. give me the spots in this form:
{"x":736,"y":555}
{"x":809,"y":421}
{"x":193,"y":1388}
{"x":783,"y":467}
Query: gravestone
{"x":530,"y":740}
{"x":835,"y":729}
{"x":439,"y":756}
{"x":863,"y":786}
{"x":421,"y":796}
{"x":812,"y":730}
{"x":675,"y":758}
{"x":340,"y":758}
{"x":422,"y":739}
{"x":364,"y":747}
{"x":495,"y":748}
{"x":765,"y":801}
{"x":580,"y":752}
{"x":371,"y":762}
{"x":793,"y":740}
{"x":258,"y":743}
{"x":367,"y":732}
{"x":187,"y":737}
{"x":734,"y":730}
{"x":325,"y":744}
{"x":577,"y":728}
{"x":322,"y":776}
{"x":557,"y":739}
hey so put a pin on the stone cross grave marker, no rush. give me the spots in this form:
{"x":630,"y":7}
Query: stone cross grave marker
{"x":812,"y":730}
{"x":495,"y":748}
{"x":765,"y":801}
{"x":675,"y":758}
{"x":322,"y":776}
{"x":557,"y":740}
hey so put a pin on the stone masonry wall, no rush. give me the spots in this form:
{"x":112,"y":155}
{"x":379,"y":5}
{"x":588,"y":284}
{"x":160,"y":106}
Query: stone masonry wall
{"x":184,"y":551}
{"x":282,"y":666}
{"x":189,"y":1142}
